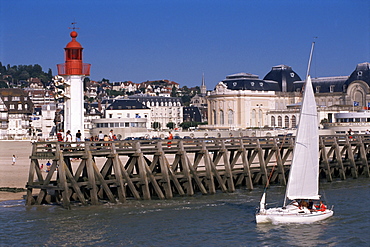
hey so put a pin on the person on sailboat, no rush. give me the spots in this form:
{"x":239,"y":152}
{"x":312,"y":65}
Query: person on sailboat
{"x":310,"y":205}
{"x":303,"y":204}
{"x":321,"y":207}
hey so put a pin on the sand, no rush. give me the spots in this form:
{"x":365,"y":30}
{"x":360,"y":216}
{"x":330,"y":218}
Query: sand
{"x":14,"y":176}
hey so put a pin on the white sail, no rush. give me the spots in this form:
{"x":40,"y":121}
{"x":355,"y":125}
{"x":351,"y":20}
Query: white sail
{"x":303,"y":180}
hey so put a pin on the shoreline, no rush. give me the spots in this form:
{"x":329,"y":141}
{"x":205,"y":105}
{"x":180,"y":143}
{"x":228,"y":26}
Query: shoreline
{"x":11,"y":196}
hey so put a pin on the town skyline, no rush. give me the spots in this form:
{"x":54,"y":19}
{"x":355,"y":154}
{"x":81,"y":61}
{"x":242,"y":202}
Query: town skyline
{"x":181,"y":40}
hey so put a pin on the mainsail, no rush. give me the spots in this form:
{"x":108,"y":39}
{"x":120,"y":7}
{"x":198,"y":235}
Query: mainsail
{"x":303,"y":180}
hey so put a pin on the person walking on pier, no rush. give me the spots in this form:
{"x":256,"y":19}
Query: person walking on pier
{"x":68,"y":136}
{"x":111,"y":135}
{"x":78,"y":136}
{"x":13,"y":160}
{"x":60,"y":135}
{"x":101,"y":136}
{"x":170,"y":137}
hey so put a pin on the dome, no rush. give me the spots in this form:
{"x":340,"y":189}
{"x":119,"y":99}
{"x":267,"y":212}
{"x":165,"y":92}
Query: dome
{"x":74,"y":43}
{"x":361,"y":73}
{"x":284,"y":75}
{"x":247,"y":81}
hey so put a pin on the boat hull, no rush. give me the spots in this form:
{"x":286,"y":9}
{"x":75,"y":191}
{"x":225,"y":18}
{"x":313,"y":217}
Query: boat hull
{"x":289,"y":215}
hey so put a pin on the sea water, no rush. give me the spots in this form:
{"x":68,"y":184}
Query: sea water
{"x":223,"y":219}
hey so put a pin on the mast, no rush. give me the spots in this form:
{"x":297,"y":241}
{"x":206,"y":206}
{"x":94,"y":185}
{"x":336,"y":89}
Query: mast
{"x":299,"y":124}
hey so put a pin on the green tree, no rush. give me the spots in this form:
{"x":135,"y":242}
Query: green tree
{"x":24,"y":75}
{"x":3,"y":84}
{"x":187,"y":125}
{"x":174,"y":92}
{"x":156,"y":125}
{"x":171,"y":125}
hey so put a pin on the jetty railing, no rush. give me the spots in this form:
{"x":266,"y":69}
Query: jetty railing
{"x":91,"y":172}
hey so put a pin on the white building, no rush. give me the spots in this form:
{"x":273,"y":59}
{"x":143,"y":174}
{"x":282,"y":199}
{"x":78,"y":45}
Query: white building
{"x":245,"y":101}
{"x":163,"y":110}
{"x":125,"y":117}
{"x":15,"y":112}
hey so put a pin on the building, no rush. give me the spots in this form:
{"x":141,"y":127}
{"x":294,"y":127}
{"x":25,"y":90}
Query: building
{"x":164,"y":110}
{"x":15,"y":111}
{"x":124,"y":116}
{"x":43,"y":121}
{"x":245,"y":101}
{"x":199,"y":101}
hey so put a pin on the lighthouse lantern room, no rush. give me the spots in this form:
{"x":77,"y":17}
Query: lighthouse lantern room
{"x":71,"y":75}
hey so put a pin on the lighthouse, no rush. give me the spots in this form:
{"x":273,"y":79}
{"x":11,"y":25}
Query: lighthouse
{"x":70,"y":79}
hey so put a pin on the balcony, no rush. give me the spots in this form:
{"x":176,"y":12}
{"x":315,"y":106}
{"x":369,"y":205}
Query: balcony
{"x":75,"y":70}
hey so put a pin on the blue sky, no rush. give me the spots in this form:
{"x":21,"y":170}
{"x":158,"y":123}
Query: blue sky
{"x":179,"y":40}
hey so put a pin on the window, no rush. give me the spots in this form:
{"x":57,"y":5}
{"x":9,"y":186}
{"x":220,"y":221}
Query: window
{"x":260,"y":123}
{"x":286,"y":125}
{"x":222,"y":117}
{"x":110,"y":115}
{"x":253,"y":117}
{"x":332,"y":88}
{"x":273,"y":121}
{"x":294,"y":121}
{"x":19,"y":107}
{"x":214,"y":117}
{"x":231,"y":117}
{"x":5,"y":98}
{"x":11,"y":106}
{"x":16,"y":98}
{"x":317,"y":89}
{"x":280,"y":121}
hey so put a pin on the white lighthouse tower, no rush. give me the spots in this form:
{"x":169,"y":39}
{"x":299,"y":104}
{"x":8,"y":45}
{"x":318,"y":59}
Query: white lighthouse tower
{"x":71,"y":75}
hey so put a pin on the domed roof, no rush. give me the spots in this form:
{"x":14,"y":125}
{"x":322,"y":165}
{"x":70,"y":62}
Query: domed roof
{"x":74,"y":43}
{"x":285,"y":77}
{"x":246,"y":81}
{"x":362,"y":73}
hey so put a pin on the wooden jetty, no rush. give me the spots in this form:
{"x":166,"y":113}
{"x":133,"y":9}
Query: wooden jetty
{"x":93,"y":172}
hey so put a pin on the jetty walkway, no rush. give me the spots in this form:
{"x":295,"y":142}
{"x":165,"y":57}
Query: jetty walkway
{"x":90,"y":172}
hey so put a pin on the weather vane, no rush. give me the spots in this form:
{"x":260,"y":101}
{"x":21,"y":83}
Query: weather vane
{"x":74,"y":26}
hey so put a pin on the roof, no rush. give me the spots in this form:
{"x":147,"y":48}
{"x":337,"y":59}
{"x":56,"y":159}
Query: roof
{"x":146,"y":98}
{"x":21,"y":99}
{"x":73,"y":43}
{"x":126,"y":104}
{"x":325,"y":84}
{"x":246,"y":81}
{"x":284,"y":76}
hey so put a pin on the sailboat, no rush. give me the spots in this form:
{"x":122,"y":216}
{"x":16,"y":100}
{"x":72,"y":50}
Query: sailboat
{"x":303,"y":181}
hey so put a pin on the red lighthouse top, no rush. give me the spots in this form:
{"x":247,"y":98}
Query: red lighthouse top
{"x":73,"y":59}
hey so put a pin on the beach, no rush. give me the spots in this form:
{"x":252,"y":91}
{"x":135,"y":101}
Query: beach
{"x":14,"y":176}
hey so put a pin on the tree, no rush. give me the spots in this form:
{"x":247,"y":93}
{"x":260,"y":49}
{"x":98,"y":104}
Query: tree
{"x":186,"y":100}
{"x":174,"y":92}
{"x":50,"y":74}
{"x":156,"y":125}
{"x":171,"y":125}
{"x":3,"y":84}
{"x":24,"y":75}
{"x":187,"y":125}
